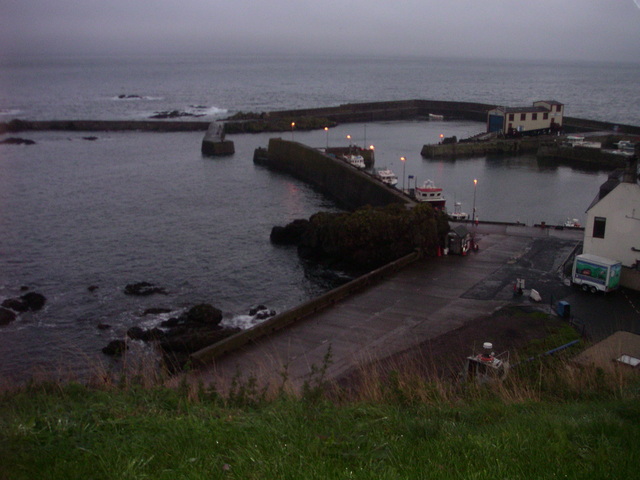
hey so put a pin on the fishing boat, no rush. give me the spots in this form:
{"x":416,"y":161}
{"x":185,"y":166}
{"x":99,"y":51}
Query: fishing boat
{"x":572,"y":223}
{"x":458,"y":214}
{"x":387,"y":177}
{"x":431,"y":194}
{"x":355,"y":160}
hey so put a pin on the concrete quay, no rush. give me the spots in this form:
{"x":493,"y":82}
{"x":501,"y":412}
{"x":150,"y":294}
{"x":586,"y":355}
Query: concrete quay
{"x":423,"y":300}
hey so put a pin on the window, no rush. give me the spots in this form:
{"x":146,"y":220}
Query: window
{"x":534,"y":116}
{"x":599,"y":224}
{"x":511,"y":117}
{"x":545,"y":116}
{"x":523,"y":116}
{"x":557,"y":108}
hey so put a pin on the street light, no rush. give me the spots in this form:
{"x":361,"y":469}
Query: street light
{"x":473,"y":216}
{"x":326,"y":129}
{"x":293,"y":124}
{"x":349,"y":138}
{"x":403,"y":170}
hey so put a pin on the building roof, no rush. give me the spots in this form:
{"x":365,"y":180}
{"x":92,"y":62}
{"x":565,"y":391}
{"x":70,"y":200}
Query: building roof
{"x":610,"y":351}
{"x":533,"y":108}
{"x":607,"y":187}
{"x":550,"y":102}
{"x":526,"y":109}
{"x":460,"y":230}
{"x":616,"y":178}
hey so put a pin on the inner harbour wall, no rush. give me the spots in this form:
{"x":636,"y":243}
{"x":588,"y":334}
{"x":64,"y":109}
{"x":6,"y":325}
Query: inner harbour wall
{"x":345,"y":183}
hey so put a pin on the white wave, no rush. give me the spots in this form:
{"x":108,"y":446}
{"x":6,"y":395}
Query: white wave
{"x":9,"y":111}
{"x":241,"y":321}
{"x":154,"y":320}
{"x":207,"y":111}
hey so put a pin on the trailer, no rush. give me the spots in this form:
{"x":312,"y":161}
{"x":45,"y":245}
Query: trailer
{"x":595,"y":273}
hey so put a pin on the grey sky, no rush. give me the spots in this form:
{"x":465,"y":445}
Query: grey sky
{"x":539,"y":29}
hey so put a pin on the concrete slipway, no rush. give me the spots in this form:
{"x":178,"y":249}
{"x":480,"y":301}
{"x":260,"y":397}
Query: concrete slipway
{"x":422,"y":301}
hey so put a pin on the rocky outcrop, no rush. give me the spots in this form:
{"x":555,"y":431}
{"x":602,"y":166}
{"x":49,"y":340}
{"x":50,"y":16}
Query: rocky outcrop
{"x":115,"y":348}
{"x":29,"y":301}
{"x":177,"y":337}
{"x":143,"y":289}
{"x":17,"y":141}
{"x":180,"y":336}
{"x":290,"y":234}
{"x":174,"y":114}
{"x":6,"y":316}
{"x":367,"y":238}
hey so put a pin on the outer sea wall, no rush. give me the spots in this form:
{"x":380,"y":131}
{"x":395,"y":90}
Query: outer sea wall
{"x":394,"y":110}
{"x":103,"y":126}
{"x":343,"y":182}
{"x":351,"y":112}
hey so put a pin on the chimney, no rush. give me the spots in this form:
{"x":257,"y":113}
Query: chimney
{"x":631,"y":172}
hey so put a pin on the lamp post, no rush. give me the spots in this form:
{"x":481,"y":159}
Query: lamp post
{"x":326,"y":129}
{"x":473,"y":215}
{"x":349,"y":138}
{"x":404,"y":163}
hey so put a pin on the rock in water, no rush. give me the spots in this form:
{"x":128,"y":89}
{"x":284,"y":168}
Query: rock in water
{"x":6,"y":316}
{"x":204,"y":313}
{"x":35,"y":301}
{"x":143,"y":289}
{"x":115,"y":347}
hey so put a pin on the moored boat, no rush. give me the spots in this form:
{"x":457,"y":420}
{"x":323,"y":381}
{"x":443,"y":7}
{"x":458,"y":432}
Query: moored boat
{"x":572,"y":223}
{"x":458,"y":214}
{"x":431,"y":194}
{"x":355,"y":160}
{"x":387,"y":177}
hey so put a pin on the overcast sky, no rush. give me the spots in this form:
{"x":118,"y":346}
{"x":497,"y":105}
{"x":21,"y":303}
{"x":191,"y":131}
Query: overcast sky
{"x":538,"y":29}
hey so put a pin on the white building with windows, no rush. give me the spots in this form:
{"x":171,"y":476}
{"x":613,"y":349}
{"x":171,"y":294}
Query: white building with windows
{"x":613,"y":223}
{"x":544,"y":116}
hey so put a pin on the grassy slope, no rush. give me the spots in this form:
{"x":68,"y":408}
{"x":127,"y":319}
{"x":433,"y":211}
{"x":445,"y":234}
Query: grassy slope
{"x":76,"y":432}
{"x":547,"y":420}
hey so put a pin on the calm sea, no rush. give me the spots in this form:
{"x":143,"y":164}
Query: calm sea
{"x":131,"y":207}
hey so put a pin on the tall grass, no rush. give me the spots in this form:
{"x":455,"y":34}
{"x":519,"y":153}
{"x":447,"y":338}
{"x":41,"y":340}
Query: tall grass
{"x":75,"y":431}
{"x":395,"y":419}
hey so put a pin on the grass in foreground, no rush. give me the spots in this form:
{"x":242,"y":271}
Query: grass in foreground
{"x":73,"y":432}
{"x":549,"y":419}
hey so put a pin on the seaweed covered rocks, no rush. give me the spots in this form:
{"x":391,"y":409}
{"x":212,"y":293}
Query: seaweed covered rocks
{"x":368,"y":237}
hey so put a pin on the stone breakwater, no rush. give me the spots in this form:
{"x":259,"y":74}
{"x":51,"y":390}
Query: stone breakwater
{"x":102,"y":126}
{"x":346,"y":113}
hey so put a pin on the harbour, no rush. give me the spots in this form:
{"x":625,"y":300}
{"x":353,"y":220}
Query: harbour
{"x":133,"y":199}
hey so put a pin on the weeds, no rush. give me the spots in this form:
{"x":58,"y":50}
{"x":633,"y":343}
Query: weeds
{"x":315,"y":387}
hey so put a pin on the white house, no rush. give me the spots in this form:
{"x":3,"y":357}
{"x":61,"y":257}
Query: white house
{"x":613,"y":223}
{"x":544,"y":116}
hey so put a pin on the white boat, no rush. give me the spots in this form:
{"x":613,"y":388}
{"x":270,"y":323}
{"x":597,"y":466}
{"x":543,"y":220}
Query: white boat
{"x":431,"y":194}
{"x":457,"y":213}
{"x":355,"y":160}
{"x":387,"y":177}
{"x":572,"y":222}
